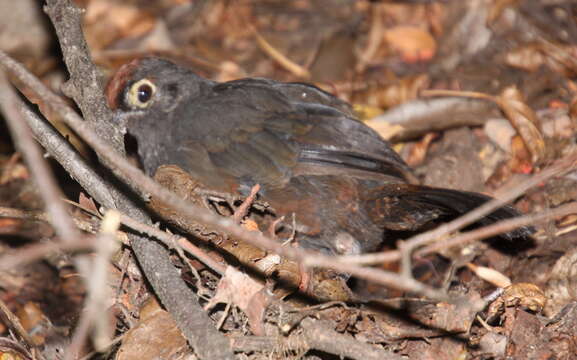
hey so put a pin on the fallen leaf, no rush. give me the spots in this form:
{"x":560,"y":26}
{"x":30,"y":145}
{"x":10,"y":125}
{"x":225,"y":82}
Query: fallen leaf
{"x":524,"y":119}
{"x":413,"y":43}
{"x":237,"y":288}
{"x":491,"y":275}
{"x":156,"y":336}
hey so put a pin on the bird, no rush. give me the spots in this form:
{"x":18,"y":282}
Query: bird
{"x":347,"y":190}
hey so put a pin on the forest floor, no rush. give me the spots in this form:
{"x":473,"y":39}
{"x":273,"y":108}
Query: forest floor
{"x":475,"y":95}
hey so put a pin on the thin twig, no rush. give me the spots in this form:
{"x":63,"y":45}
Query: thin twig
{"x":458,"y":93}
{"x":279,"y":57}
{"x":37,"y":251}
{"x":31,"y":253}
{"x":321,"y":336}
{"x":500,"y":227}
{"x":242,"y":210}
{"x":49,"y":190}
{"x":14,"y":323}
{"x":167,"y":239}
{"x":35,"y":215}
{"x":98,"y":291}
{"x":74,"y":164}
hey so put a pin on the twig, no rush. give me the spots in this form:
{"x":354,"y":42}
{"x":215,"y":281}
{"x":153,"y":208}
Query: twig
{"x":281,"y":59}
{"x":14,"y":323}
{"x":167,"y":239}
{"x":316,"y":335}
{"x":74,"y":164}
{"x":320,"y":336}
{"x":468,"y":94}
{"x":23,"y":214}
{"x":84,"y":76}
{"x":97,"y":291}
{"x":38,"y":251}
{"x":242,"y":210}
{"x":500,"y":227}
{"x":49,"y":190}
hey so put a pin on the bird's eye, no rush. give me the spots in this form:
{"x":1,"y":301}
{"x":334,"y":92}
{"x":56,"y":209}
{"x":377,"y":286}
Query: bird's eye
{"x":140,"y":93}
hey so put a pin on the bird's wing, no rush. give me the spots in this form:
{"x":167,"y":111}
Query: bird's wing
{"x":256,"y":134}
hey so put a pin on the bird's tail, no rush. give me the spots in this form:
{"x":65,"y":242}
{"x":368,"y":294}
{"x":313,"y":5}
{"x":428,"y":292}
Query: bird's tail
{"x":407,"y":207}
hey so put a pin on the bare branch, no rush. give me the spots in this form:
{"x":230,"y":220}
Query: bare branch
{"x":49,"y":190}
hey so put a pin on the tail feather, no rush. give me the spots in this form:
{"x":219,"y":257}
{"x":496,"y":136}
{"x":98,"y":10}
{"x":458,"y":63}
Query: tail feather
{"x":409,"y":207}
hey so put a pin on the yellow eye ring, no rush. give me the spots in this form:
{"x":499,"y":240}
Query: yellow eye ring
{"x":140,"y":93}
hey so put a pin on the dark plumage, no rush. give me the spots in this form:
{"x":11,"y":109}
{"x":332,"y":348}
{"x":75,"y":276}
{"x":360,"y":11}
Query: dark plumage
{"x":311,"y":157}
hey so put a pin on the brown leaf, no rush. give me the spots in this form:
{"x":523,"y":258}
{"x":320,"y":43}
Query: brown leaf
{"x":156,"y":336}
{"x":237,"y":288}
{"x":419,"y":150}
{"x":523,"y":118}
{"x":523,"y":295}
{"x":527,"y":57}
{"x":87,"y":202}
{"x":530,"y":57}
{"x":413,"y":43}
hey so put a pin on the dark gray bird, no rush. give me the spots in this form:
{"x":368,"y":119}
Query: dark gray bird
{"x":310,"y":155}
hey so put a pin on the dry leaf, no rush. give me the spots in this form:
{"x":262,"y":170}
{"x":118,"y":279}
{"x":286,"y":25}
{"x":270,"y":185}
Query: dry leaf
{"x":520,"y":161}
{"x":530,"y":57}
{"x":236,"y":287}
{"x":413,"y":43}
{"x":396,"y":93}
{"x":156,"y":336}
{"x":527,"y":57}
{"x":523,"y":295}
{"x":419,"y":151}
{"x":491,"y":275}
{"x":87,"y":202}
{"x":523,"y":118}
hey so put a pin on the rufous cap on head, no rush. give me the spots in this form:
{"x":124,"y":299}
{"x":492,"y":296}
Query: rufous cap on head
{"x":117,"y":83}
